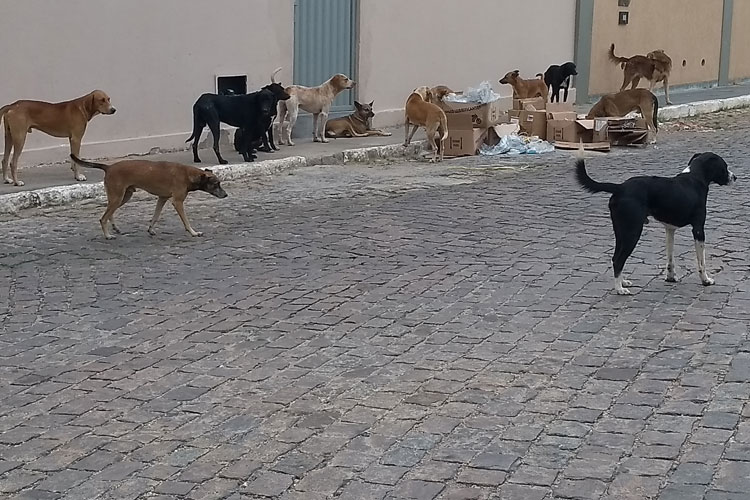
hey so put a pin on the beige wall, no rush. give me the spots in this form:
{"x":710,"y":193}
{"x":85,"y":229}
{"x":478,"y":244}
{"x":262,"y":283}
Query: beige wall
{"x":688,"y":30}
{"x":739,"y":56}
{"x":404,"y":44}
{"x":153,"y":57}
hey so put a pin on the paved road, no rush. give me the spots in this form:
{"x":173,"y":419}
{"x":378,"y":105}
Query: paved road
{"x":382,"y":331}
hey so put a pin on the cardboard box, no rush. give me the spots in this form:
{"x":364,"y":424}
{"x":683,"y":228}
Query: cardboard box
{"x":573,"y":130}
{"x":559,"y":107}
{"x":482,"y":115}
{"x":463,"y":138}
{"x":534,"y":123}
{"x":495,"y":133}
{"x":626,"y":131}
{"x":536,"y":103}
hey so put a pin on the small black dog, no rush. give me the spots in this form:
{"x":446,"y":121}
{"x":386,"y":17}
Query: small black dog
{"x":676,"y":202}
{"x":558,"y":77}
{"x":253,"y":112}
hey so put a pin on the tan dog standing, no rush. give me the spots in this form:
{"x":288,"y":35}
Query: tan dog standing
{"x":61,"y":119}
{"x":315,"y":100}
{"x":355,"y":125}
{"x":167,"y":180}
{"x":626,"y":101}
{"x":420,"y":112}
{"x":655,"y":66}
{"x":525,"y":89}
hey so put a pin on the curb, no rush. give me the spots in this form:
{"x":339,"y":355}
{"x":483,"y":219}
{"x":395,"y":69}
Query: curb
{"x":64,"y":195}
{"x":678,"y":111}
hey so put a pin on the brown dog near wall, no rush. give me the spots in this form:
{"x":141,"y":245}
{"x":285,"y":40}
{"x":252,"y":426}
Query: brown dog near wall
{"x":61,"y":119}
{"x":167,"y":180}
{"x":656,"y":66}
{"x":525,"y":89}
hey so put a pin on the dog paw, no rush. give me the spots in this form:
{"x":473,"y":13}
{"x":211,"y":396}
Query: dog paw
{"x":80,"y":177}
{"x":387,"y":134}
{"x":708,"y":281}
{"x":116,"y":229}
{"x":19,"y":183}
{"x":109,"y":236}
{"x":290,"y":143}
{"x":223,"y":162}
{"x":196,"y":234}
{"x":315,"y":139}
{"x":670,"y":279}
{"x":627,"y":283}
{"x":8,"y":180}
{"x":623,"y":291}
{"x":669,"y":102}
{"x":324,"y":140}
{"x":151,"y":232}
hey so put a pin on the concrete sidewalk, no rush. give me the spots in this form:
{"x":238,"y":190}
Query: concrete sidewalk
{"x":51,"y":185}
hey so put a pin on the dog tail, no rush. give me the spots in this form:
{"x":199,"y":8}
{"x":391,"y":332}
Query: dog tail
{"x":444,"y":126}
{"x":273,"y":75}
{"x":540,"y":75}
{"x":192,"y":136}
{"x":615,"y":59}
{"x":89,"y":164}
{"x":4,"y":110}
{"x":590,"y":184}
{"x":656,"y":111}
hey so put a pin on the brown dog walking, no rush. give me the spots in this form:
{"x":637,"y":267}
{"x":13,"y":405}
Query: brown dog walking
{"x":167,"y":180}
{"x":62,"y":119}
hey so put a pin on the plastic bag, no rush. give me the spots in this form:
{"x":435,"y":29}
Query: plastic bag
{"x":517,"y":145}
{"x":482,"y":94}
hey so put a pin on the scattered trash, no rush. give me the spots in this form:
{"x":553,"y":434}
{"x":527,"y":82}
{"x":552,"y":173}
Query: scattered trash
{"x":482,"y":94}
{"x":517,"y":145}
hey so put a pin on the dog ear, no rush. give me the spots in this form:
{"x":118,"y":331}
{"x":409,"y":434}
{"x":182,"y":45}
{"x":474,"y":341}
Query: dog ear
{"x":694,"y":157}
{"x":208,"y":170}
{"x":516,"y":72}
{"x":371,"y":103}
{"x":357,"y":104}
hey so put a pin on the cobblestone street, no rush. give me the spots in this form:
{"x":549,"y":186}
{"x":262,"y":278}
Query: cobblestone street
{"x":400,"y":331}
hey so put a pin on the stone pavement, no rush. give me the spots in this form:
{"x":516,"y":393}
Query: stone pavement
{"x":60,"y":175}
{"x":400,"y":331}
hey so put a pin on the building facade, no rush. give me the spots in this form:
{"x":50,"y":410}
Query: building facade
{"x":155,"y":58}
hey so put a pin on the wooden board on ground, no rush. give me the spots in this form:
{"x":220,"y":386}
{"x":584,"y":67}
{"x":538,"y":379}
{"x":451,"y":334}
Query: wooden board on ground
{"x":587,"y":146}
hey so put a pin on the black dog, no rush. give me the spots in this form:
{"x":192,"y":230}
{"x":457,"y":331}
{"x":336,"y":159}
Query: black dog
{"x":250,"y":111}
{"x":241,"y":134}
{"x":558,"y":77}
{"x":674,"y":201}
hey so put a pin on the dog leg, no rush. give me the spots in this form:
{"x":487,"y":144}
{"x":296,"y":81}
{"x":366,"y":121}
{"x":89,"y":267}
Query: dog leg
{"x":700,"y":254}
{"x":292,"y":112}
{"x":177,"y":203}
{"x":128,"y":194}
{"x":411,"y":135}
{"x":322,"y":126}
{"x":316,"y":118}
{"x":407,"y":126}
{"x":666,"y":90}
{"x":18,"y":144}
{"x":670,"y":254}
{"x":6,"y":157}
{"x":627,"y":234}
{"x":157,"y":213}
{"x":75,"y":148}
{"x":216,"y":133}
{"x":114,"y":201}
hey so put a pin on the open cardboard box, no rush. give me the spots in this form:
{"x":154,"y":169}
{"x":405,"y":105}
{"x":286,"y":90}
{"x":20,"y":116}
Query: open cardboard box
{"x":564,"y":128}
{"x":627,"y":131}
{"x":463,"y":138}
{"x":482,"y":115}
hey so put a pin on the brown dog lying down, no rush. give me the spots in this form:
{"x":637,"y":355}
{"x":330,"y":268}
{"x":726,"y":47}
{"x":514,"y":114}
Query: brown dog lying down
{"x":315,"y":100}
{"x":355,"y":125}
{"x":622,"y":103}
{"x":420,"y":112}
{"x":166,"y":180}
{"x":655,"y":66}
{"x":525,"y":89}
{"x":60,"y":119}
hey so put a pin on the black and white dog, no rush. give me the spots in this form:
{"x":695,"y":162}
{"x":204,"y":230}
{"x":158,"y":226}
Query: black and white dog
{"x":674,"y":201}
